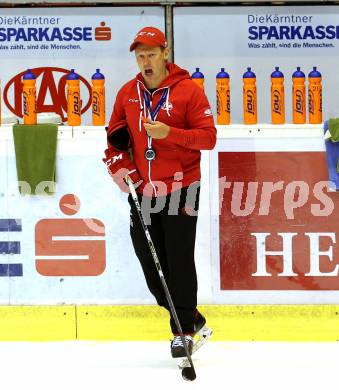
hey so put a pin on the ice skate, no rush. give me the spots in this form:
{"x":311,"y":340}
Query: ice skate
{"x":200,"y":339}
{"x":199,"y":322}
{"x":177,"y":346}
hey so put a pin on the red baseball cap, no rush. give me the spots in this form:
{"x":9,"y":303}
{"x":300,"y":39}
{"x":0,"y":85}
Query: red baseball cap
{"x":150,"y":36}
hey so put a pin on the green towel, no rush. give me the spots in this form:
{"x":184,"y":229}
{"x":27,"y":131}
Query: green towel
{"x":333,"y":127}
{"x":35,"y":153}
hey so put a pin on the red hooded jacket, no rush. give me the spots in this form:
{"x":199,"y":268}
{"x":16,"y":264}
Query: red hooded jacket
{"x":185,"y":109}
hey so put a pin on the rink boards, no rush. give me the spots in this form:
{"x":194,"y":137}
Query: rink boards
{"x":146,"y":322}
{"x":244,"y":296}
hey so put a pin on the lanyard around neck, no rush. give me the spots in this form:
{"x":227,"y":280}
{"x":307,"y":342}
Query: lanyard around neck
{"x":154,"y":113}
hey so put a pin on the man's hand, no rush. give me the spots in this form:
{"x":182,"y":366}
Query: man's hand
{"x":119,"y":165}
{"x":156,"y":129}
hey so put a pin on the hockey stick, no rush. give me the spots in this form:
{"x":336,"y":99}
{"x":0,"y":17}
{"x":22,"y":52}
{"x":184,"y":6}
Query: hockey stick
{"x":188,"y":372}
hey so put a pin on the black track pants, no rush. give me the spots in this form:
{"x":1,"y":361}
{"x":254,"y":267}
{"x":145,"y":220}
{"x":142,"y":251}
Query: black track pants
{"x":174,"y":240}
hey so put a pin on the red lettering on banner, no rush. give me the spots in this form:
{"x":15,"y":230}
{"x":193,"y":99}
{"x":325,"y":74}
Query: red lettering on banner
{"x":50,"y":81}
{"x":278,"y":222}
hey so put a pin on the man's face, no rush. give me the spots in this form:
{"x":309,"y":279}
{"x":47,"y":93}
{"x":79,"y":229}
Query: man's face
{"x":151,"y":62}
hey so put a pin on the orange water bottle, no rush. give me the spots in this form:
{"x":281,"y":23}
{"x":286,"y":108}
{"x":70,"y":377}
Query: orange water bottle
{"x":29,"y":98}
{"x":223,"y":98}
{"x":73,"y":99}
{"x":198,"y":78}
{"x":277,"y":97}
{"x":315,"y":109}
{"x":298,"y":97}
{"x":98,"y":99}
{"x":249,"y":97}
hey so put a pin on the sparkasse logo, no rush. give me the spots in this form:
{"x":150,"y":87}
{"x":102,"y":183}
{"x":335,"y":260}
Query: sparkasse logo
{"x":23,"y":33}
{"x":103,"y":33}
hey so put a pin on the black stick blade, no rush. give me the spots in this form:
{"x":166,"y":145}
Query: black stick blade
{"x":188,"y":373}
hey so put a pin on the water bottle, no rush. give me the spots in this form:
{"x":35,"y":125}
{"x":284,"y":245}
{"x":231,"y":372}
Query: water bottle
{"x":249,"y":97}
{"x":223,"y":98}
{"x":29,"y":98}
{"x":315,"y":110}
{"x":73,"y":99}
{"x":198,"y":78}
{"x":298,"y":97}
{"x":98,"y":99}
{"x":277,"y":97}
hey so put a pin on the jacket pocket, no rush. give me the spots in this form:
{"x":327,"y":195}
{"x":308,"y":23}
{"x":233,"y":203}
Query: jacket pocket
{"x":166,"y":164}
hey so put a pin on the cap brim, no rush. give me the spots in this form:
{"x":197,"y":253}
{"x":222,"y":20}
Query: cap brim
{"x":144,"y":41}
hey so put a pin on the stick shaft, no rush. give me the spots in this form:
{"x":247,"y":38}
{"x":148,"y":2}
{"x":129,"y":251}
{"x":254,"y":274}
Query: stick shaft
{"x":158,"y":266}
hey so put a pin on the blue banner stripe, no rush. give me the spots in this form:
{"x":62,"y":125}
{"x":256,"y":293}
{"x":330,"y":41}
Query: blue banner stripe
{"x":10,"y":247}
{"x":10,"y":225}
{"x":11,"y":270}
{"x":4,"y":226}
{"x":15,"y":225}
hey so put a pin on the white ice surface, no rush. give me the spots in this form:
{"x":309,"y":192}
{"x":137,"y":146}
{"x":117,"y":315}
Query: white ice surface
{"x":147,"y":365}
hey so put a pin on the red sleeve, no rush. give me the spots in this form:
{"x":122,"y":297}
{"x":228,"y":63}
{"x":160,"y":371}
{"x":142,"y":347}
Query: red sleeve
{"x":118,"y":117}
{"x":201,"y":132}
{"x":118,"y":162}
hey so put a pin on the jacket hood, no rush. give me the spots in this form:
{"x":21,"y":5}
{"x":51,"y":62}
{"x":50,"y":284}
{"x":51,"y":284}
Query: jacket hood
{"x":176,"y":74}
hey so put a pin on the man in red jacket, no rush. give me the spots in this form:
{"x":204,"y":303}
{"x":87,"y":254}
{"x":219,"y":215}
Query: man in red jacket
{"x":161,"y":120}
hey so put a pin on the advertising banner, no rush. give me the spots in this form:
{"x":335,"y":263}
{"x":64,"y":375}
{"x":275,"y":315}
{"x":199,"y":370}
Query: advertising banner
{"x":52,"y":41}
{"x":262,"y":38}
{"x":74,"y":246}
{"x":275,"y":232}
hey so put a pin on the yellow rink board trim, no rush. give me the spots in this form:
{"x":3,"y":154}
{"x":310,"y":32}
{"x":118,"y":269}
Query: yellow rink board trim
{"x":231,"y":322}
{"x":37,"y":323}
{"x":146,"y":322}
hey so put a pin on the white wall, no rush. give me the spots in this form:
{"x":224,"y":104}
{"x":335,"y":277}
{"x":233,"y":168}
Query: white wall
{"x":80,"y":171}
{"x":112,"y":56}
{"x":215,"y":37}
